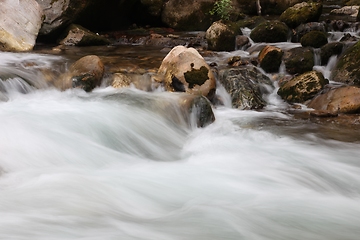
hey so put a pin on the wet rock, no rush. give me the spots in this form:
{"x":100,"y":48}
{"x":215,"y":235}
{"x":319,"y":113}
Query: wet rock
{"x":78,"y":36}
{"x":339,"y":100}
{"x":251,"y":22}
{"x":185,"y":70}
{"x":301,"y":13}
{"x":302,"y":87}
{"x":220,"y":37}
{"x":315,"y":39}
{"x":330,"y":49}
{"x":246,"y":85}
{"x":194,"y":15}
{"x":270,"y":58}
{"x":86,"y":73}
{"x":347,"y":68}
{"x":276,"y":7}
{"x":20,"y":23}
{"x":322,"y":114}
{"x":270,"y":32}
{"x":298,"y":60}
{"x":140,"y":81}
{"x":303,"y":29}
{"x":242,"y":42}
{"x":348,"y":38}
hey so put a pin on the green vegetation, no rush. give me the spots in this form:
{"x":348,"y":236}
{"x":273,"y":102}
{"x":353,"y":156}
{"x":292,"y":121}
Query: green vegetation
{"x":222,"y":8}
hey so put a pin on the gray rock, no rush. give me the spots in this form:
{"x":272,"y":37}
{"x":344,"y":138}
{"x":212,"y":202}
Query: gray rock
{"x":79,"y":36}
{"x":245,"y":85}
{"x":20,"y":22}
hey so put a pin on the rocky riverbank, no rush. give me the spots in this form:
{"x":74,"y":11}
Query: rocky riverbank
{"x":287,"y":51}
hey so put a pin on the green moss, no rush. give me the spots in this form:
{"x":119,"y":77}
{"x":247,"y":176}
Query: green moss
{"x":293,"y":17}
{"x":314,"y":39}
{"x":270,"y":31}
{"x":196,"y":76}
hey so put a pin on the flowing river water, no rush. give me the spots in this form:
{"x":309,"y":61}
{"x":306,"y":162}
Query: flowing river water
{"x":76,"y":165}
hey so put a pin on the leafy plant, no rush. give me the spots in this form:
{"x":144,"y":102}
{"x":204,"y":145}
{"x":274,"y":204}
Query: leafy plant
{"x":222,"y":9}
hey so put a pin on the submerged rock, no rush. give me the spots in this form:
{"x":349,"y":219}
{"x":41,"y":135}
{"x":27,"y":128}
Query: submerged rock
{"x":185,"y":70}
{"x":302,"y":87}
{"x":246,"y":85}
{"x":347,"y":68}
{"x":270,"y":31}
{"x":299,"y":60}
{"x":86,"y":73}
{"x":301,"y":13}
{"x":339,"y":100}
{"x":20,"y":23}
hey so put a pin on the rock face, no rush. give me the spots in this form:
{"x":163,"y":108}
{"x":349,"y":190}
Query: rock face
{"x":86,"y":73}
{"x":298,"y":60}
{"x":79,"y":36}
{"x":220,"y":37}
{"x":185,"y":70}
{"x":270,"y":32}
{"x":339,"y":100}
{"x":245,"y":86}
{"x":20,"y":22}
{"x":314,"y":39}
{"x":347,"y":68}
{"x":270,"y":58}
{"x":194,"y":15}
{"x":302,"y":87}
{"x":301,"y":13}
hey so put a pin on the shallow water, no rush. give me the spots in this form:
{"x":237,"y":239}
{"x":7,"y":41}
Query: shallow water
{"x":99,"y":165}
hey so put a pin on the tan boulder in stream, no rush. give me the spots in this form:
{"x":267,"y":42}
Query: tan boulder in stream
{"x":185,"y":70}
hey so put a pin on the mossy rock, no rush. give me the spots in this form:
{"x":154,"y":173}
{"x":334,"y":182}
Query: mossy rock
{"x":220,"y":37}
{"x":270,"y":31}
{"x":270,"y":58}
{"x":347,"y":68}
{"x":314,"y":39}
{"x":330,"y":49}
{"x":302,"y":87}
{"x":299,"y":60}
{"x":305,"y":28}
{"x":301,"y":13}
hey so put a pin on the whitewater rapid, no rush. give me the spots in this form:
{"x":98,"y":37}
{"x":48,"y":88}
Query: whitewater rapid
{"x":78,"y":165}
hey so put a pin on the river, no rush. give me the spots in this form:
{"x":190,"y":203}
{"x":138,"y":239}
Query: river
{"x":92,"y":166}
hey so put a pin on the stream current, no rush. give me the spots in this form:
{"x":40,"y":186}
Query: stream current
{"x":76,"y":165}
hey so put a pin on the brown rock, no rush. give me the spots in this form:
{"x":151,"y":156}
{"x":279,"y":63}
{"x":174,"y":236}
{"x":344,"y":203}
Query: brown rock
{"x":185,"y":70}
{"x":339,"y":100}
{"x":270,"y":58}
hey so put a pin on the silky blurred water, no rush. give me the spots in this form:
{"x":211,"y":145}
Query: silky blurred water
{"x":118,"y":164}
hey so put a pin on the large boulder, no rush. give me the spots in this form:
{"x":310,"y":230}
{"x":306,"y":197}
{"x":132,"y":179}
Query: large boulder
{"x":299,"y":60}
{"x":270,"y":32}
{"x":86,"y":73}
{"x":302,"y":87}
{"x":20,"y":22}
{"x":276,"y":6}
{"x":220,"y":37}
{"x":315,"y":39}
{"x":347,"y":68}
{"x":187,"y":14}
{"x":270,"y":58}
{"x":77,"y":35}
{"x":185,"y":70}
{"x":246,"y":86}
{"x":339,"y":100}
{"x":301,"y":13}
